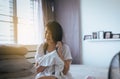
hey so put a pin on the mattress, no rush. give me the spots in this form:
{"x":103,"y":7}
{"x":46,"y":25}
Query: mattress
{"x":82,"y":71}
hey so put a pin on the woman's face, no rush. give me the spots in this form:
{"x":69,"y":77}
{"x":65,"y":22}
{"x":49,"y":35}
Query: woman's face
{"x":48,"y":36}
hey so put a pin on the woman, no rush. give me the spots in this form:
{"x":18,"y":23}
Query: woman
{"x":53,"y":37}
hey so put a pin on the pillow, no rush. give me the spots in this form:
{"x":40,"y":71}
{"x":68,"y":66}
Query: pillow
{"x":14,"y":65}
{"x":15,"y":75}
{"x":12,"y":50}
{"x":8,"y":57}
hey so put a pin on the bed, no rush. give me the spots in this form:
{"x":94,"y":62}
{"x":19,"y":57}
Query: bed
{"x":82,"y":71}
{"x":77,"y":71}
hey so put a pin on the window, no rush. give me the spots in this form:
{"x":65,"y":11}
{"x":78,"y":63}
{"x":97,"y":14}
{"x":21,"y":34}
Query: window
{"x":20,"y":21}
{"x":6,"y":22}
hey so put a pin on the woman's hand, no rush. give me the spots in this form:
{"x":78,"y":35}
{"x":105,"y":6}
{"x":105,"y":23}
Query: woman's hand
{"x":59,"y":47}
{"x":40,"y":68}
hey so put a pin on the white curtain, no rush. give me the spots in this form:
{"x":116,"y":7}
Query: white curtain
{"x":41,"y":23}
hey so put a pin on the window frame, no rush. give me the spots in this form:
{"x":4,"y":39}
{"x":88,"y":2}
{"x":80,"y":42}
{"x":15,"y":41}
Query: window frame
{"x":39,"y":35}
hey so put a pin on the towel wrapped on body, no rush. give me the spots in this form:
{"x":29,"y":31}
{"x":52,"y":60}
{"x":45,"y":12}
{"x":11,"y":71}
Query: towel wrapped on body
{"x":54,"y":65}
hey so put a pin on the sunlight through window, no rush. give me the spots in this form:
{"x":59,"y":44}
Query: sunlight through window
{"x":21,"y":22}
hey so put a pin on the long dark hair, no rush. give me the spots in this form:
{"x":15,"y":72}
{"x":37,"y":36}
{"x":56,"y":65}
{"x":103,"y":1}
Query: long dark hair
{"x":56,"y":30}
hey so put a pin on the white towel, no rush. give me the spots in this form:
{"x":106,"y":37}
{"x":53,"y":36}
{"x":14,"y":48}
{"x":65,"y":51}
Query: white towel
{"x":53,"y":63}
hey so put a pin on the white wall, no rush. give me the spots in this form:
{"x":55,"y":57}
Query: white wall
{"x":100,"y":15}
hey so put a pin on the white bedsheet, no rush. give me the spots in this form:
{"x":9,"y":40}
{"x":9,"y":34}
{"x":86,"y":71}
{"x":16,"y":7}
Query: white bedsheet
{"x":82,"y":71}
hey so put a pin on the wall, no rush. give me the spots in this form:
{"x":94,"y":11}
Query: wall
{"x":99,"y":15}
{"x":67,"y":14}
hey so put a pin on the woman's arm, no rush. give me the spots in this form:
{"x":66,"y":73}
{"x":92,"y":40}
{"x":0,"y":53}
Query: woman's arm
{"x":39,"y":54}
{"x":66,"y":62}
{"x":39,"y":68}
{"x":48,"y":77}
{"x":66,"y":66}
